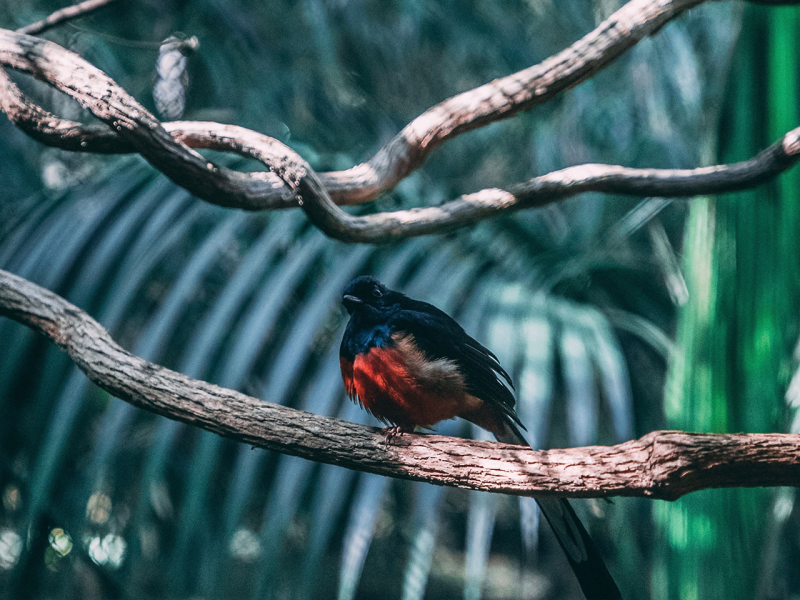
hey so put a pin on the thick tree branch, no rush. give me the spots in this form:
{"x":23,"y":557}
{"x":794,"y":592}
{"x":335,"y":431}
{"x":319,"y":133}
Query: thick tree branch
{"x":292,"y":180}
{"x":537,"y":192}
{"x":293,"y":177}
{"x":65,"y":14}
{"x":497,"y":100}
{"x":662,"y":465}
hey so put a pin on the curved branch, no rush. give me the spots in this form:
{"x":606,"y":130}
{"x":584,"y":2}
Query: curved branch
{"x":664,"y":465}
{"x":494,"y":101}
{"x":107,"y":101}
{"x":537,"y":192}
{"x":249,"y":191}
{"x":294,"y":180}
{"x":65,"y":14}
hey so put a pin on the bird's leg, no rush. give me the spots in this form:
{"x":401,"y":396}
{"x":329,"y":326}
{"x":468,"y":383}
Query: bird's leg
{"x":396,"y":430}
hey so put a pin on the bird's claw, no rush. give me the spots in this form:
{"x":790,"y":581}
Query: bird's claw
{"x":391,"y":432}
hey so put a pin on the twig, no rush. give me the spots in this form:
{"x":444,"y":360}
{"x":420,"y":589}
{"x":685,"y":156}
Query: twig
{"x":664,"y":465}
{"x":62,"y":16}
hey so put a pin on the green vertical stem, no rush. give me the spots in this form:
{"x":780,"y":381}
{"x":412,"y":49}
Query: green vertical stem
{"x":736,"y":334}
{"x":784,"y":114}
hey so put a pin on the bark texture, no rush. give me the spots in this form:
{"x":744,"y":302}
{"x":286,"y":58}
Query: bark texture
{"x":291,"y":182}
{"x":662,"y":464}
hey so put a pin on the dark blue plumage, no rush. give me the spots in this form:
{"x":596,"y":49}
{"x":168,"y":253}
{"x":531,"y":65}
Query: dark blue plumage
{"x":436,"y":334}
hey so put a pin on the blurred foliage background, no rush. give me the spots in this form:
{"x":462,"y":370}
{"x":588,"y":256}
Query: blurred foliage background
{"x":615,"y":316}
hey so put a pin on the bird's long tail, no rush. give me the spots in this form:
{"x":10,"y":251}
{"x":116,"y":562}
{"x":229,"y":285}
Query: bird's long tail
{"x":586,"y":562}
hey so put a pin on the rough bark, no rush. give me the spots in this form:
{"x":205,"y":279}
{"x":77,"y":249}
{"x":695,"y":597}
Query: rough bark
{"x":496,"y":100}
{"x":131,"y":128}
{"x":665,"y":464}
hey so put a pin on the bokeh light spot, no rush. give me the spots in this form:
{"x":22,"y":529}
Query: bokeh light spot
{"x":109,"y":550}
{"x":12,"y":499}
{"x":10,"y":548}
{"x":60,"y":541}
{"x":98,"y":508}
{"x":245,"y":545}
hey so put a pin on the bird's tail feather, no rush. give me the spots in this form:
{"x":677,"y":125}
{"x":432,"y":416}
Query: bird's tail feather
{"x":586,"y":562}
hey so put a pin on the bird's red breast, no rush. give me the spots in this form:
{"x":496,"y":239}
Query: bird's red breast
{"x":399,"y":385}
{"x":347,"y":376}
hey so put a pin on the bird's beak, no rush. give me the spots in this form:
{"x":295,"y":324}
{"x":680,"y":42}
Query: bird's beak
{"x":351,"y":303}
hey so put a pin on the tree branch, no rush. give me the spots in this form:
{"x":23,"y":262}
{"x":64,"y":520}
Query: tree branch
{"x":134,"y":129}
{"x":494,"y":101}
{"x":663,"y":465}
{"x":537,"y":192}
{"x":293,"y":178}
{"x":293,"y":182}
{"x":62,"y":16}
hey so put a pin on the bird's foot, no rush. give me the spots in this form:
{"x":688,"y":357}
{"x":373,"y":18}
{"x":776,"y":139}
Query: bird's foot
{"x":390,"y":433}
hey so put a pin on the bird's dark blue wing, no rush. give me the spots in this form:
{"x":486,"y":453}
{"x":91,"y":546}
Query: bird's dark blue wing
{"x":439,"y":336}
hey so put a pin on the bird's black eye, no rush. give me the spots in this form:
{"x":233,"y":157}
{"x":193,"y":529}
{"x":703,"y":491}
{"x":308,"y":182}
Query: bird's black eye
{"x":376,"y":292}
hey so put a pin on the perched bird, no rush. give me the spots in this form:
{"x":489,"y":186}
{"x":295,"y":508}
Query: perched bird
{"x":411,"y":365}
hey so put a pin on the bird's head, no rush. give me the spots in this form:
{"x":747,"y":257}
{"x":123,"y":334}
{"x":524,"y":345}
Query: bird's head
{"x":364,"y":292}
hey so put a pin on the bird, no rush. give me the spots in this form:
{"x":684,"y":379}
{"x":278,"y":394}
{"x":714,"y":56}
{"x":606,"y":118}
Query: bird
{"x":411,"y":365}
